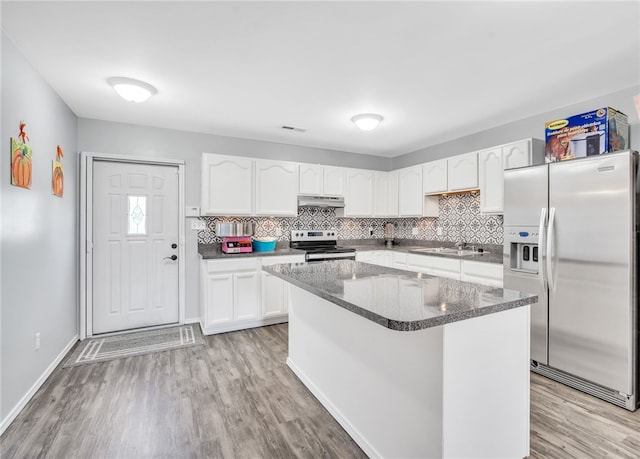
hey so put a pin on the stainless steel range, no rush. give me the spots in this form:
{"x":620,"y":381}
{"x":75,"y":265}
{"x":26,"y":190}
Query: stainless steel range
{"x":320,"y":245}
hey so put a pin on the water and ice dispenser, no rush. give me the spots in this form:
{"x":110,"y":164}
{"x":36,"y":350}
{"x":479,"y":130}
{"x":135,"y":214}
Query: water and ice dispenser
{"x":523,"y":251}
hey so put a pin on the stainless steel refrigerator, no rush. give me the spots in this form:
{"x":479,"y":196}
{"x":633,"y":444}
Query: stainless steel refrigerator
{"x":571,"y":236}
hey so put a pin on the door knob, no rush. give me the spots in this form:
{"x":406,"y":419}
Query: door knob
{"x":172,"y":257}
{"x":174,"y":246}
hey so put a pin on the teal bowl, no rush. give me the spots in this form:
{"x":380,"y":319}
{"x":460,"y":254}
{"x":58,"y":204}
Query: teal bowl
{"x":262,"y":246}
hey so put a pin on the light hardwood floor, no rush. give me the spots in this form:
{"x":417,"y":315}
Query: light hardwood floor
{"x":235,"y":397}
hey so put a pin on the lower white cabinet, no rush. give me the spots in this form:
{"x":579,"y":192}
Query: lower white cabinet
{"x":230,"y":293}
{"x":481,"y":273}
{"x":435,"y":266}
{"x":275,"y":291}
{"x":237,"y":294}
{"x":376,"y":257}
{"x":399,"y":260}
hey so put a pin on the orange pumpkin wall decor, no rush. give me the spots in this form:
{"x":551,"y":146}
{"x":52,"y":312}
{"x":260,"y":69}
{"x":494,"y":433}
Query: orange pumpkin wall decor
{"x":21,"y":167}
{"x":57,"y":176}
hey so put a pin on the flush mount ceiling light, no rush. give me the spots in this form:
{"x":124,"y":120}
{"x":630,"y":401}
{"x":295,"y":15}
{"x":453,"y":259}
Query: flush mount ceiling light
{"x":367,"y":121}
{"x":132,"y":90}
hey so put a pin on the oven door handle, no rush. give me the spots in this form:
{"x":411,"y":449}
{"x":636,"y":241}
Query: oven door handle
{"x":326,"y":256}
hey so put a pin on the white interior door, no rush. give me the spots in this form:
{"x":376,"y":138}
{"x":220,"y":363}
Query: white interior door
{"x":135,"y":245}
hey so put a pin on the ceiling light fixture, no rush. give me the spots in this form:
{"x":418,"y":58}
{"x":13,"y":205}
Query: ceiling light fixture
{"x":367,"y":121}
{"x":132,"y":90}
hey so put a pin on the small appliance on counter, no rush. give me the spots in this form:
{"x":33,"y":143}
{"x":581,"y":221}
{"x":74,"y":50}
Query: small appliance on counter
{"x":236,"y":237}
{"x":389,"y":230}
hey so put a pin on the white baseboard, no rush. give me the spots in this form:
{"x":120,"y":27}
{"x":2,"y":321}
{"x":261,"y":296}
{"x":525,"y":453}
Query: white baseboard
{"x":193,"y":320}
{"x":354,"y":433}
{"x":6,"y":422}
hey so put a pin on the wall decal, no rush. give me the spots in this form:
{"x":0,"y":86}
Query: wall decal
{"x":21,"y":159}
{"x":57,"y":174}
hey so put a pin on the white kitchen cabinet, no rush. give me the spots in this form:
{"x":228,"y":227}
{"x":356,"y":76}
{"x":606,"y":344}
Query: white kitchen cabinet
{"x":434,"y":177}
{"x":334,"y":179}
{"x":410,"y":193}
{"x":385,"y":199}
{"x":275,"y":291}
{"x":399,"y":260}
{"x":462,"y":172}
{"x":226,"y":185}
{"x":318,"y":180}
{"x":311,"y":179}
{"x":376,"y":257}
{"x":359,"y":196}
{"x":435,"y":266}
{"x":383,"y":258}
{"x":365,"y":256}
{"x":481,"y":273}
{"x":276,"y":190}
{"x":491,"y":181}
{"x":392,"y":196}
{"x":492,"y":164}
{"x":522,"y":153}
{"x":230,"y":294}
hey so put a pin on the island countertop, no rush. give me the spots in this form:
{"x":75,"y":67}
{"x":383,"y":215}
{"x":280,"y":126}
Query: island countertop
{"x":396,"y":299}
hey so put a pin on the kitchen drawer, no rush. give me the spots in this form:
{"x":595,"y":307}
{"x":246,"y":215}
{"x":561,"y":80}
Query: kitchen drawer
{"x":267,"y":261}
{"x":482,"y":273}
{"x":241,"y":264}
{"x":440,"y":263}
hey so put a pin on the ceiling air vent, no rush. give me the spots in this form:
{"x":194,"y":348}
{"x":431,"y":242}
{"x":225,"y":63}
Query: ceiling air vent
{"x":293,"y":128}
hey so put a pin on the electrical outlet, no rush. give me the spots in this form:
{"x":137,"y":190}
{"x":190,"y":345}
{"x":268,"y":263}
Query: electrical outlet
{"x":37,"y":341}
{"x":198,"y":225}
{"x":414,"y":231}
{"x":439,"y":230}
{"x":278,"y":232}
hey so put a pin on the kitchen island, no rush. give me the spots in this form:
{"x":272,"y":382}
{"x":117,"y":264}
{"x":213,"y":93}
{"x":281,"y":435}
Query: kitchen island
{"x":409,"y":364}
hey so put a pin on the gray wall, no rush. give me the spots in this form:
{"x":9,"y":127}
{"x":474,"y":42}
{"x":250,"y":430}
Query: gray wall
{"x":125,"y":139}
{"x":529,"y":127}
{"x":39,"y":268}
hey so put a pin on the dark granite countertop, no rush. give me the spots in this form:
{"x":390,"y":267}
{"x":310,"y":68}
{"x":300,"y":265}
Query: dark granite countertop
{"x":213,"y":251}
{"x":396,"y":299}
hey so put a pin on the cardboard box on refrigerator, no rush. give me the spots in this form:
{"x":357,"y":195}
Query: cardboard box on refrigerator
{"x":596,"y":132}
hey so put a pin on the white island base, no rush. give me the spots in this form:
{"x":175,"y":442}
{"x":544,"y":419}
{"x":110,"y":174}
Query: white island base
{"x":459,"y":390}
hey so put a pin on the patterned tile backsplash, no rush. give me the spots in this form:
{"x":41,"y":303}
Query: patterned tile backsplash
{"x":459,"y":218}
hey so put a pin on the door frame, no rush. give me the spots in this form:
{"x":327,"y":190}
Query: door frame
{"x":85,"y":248}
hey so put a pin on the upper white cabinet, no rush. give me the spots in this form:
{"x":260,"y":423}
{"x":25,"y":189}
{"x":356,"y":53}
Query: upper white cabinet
{"x":462,"y":172}
{"x":334,"y":181}
{"x":359,"y":197}
{"x":410,"y":195}
{"x":227,"y":185}
{"x":311,"y":179}
{"x":491,"y":180}
{"x":276,"y":188}
{"x":434,"y":177}
{"x":318,"y":180}
{"x":522,"y":153}
{"x":385,"y":199}
{"x":492,"y":163}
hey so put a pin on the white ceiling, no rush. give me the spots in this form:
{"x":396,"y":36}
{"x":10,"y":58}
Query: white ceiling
{"x":435,"y":70}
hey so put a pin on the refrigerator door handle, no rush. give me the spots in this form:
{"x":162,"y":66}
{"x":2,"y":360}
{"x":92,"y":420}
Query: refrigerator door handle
{"x":541,"y":240}
{"x":550,"y":242}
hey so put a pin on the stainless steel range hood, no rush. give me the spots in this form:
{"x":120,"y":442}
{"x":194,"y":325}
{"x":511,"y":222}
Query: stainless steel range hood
{"x":320,"y":201}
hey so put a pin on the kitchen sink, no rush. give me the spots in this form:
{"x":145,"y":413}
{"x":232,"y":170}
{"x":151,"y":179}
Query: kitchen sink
{"x":447,"y":251}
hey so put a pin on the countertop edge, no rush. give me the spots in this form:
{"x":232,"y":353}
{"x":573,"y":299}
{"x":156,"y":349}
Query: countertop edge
{"x":397,"y":325}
